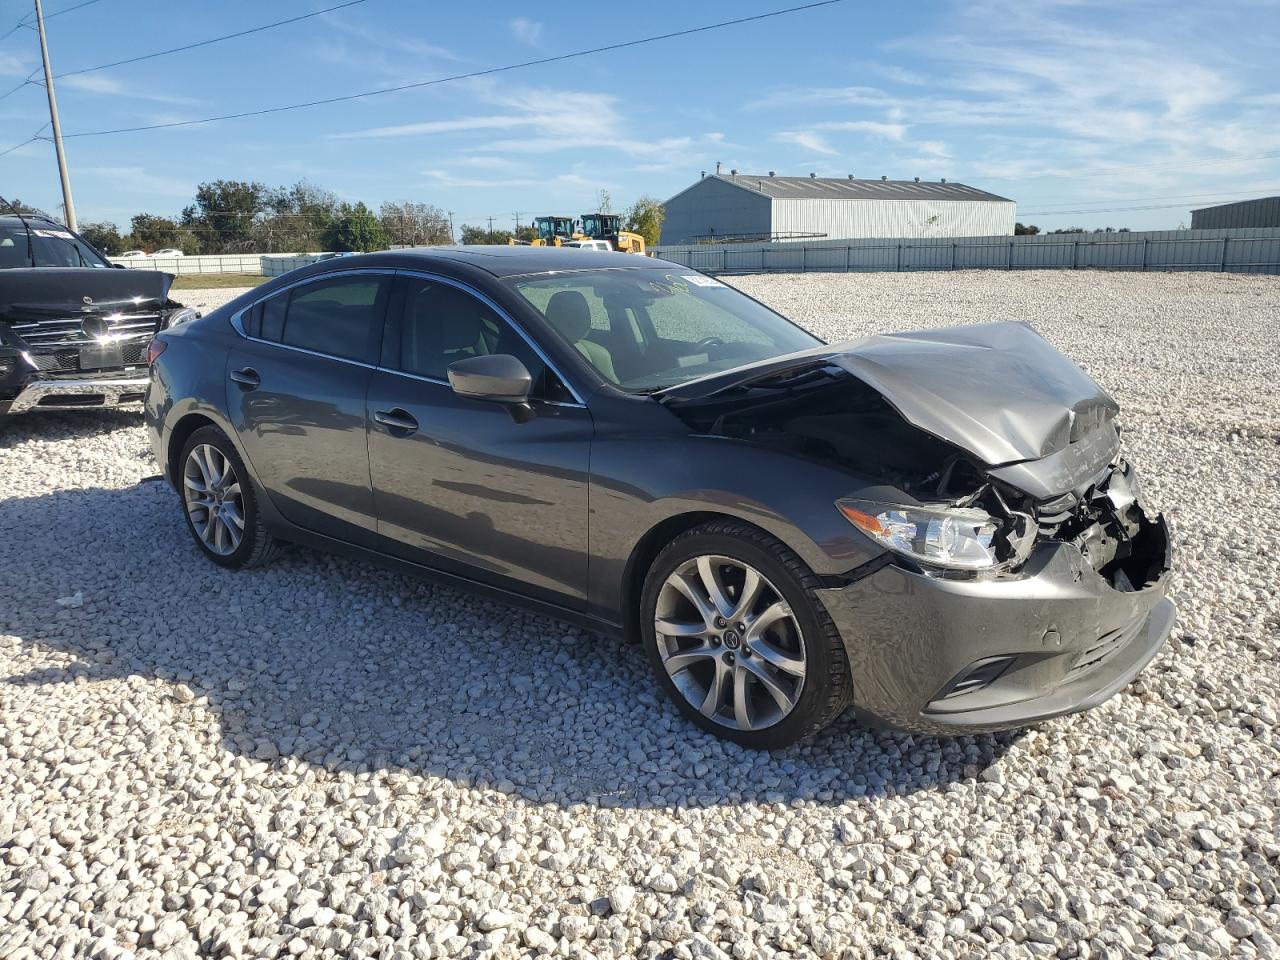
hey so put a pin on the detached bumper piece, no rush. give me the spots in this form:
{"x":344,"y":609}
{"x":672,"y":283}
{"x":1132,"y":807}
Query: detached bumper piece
{"x":77,"y":394}
{"x":939,"y":656}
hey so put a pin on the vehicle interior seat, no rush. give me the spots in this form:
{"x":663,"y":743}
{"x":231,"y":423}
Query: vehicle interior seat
{"x":568,"y":313}
{"x":441,"y":326}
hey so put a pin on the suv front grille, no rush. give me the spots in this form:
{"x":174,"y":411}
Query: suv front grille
{"x":67,"y":331}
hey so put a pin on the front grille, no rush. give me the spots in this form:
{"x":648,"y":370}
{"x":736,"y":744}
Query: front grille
{"x":67,"y":331}
{"x":1103,"y":649}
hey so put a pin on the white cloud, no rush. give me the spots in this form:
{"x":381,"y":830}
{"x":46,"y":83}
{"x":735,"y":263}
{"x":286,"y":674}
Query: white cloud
{"x":889,"y":131}
{"x":11,"y":66}
{"x":526,"y":31}
{"x":96,"y":83}
{"x":138,"y":180}
{"x":807,"y":140}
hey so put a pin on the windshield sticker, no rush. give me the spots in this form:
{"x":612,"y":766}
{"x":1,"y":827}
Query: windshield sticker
{"x":670,"y":286}
{"x":700,"y":281}
{"x":53,"y":233}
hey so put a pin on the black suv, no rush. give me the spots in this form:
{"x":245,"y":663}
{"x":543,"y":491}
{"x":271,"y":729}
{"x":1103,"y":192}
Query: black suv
{"x":73,"y":331}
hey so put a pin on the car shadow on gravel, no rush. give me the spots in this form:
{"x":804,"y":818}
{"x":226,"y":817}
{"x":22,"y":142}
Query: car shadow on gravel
{"x":343,"y":665}
{"x":71,"y":425}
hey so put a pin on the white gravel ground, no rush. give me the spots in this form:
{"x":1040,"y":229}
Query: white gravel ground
{"x":325,"y":759}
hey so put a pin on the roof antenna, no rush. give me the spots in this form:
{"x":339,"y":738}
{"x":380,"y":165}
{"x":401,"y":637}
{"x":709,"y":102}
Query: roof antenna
{"x":31,"y":253}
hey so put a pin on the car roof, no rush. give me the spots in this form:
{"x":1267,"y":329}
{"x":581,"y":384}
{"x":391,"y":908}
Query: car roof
{"x":12,"y":220}
{"x":507,"y":261}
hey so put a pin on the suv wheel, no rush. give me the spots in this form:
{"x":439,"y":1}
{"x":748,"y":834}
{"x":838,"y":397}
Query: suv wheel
{"x":738,"y":638}
{"x":221,"y":505}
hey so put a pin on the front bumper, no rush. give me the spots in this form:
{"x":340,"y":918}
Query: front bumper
{"x":939,"y":656}
{"x":87,"y":393}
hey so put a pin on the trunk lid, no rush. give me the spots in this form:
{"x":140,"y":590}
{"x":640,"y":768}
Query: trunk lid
{"x":998,"y":390}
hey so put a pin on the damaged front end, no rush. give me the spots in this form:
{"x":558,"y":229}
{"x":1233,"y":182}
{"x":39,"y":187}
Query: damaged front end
{"x":1025,"y":577}
{"x":77,"y":338}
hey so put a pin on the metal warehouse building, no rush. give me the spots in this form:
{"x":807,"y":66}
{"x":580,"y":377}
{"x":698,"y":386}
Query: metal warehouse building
{"x":1264,"y":212}
{"x":745,"y":207}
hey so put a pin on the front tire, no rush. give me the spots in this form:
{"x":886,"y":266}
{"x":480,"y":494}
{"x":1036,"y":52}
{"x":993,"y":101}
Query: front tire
{"x":220,"y":502}
{"x":738,"y":638}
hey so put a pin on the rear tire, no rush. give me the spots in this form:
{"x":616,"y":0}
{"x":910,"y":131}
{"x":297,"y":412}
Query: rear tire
{"x":738,"y":638}
{"x":220,"y":502}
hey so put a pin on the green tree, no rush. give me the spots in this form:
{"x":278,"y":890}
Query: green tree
{"x":1024,"y":230}
{"x":527,"y":233}
{"x":473,"y":235}
{"x":23,"y":208}
{"x":152,"y":233}
{"x":414,"y":224}
{"x":224,"y":213}
{"x":355,"y":229}
{"x":645,"y":218}
{"x":295,"y":219}
{"x":105,"y":237}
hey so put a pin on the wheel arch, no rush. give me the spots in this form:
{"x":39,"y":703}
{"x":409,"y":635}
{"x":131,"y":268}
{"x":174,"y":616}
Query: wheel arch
{"x":178,"y":436}
{"x":646,"y":551}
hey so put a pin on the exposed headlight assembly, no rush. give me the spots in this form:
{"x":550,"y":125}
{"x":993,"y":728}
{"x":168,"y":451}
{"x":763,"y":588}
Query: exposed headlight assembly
{"x":181,"y":316}
{"x":953,"y":538}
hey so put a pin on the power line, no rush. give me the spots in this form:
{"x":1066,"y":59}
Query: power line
{"x":205,"y":43}
{"x":26,"y":21}
{"x":560,"y":58}
{"x":1101,"y":171}
{"x":18,"y":146}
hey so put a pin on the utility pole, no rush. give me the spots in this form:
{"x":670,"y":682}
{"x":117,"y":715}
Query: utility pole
{"x":490,"y":219}
{"x":451,"y":240}
{"x":53,"y":120}
{"x":516,"y":218}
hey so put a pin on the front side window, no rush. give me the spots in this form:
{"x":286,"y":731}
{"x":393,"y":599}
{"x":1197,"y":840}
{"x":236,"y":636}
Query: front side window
{"x":341,"y":317}
{"x":647,"y":329}
{"x":440,"y":324}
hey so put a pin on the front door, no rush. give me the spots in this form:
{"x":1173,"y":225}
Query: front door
{"x":296,"y":393}
{"x":460,"y":484}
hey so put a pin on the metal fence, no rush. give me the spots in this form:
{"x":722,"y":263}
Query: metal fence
{"x":1233,"y":251}
{"x":228,"y":263}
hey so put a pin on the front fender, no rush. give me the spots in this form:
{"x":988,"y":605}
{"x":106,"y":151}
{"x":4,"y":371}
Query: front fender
{"x":638,"y":485}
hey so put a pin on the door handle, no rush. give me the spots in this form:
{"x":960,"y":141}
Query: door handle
{"x":246,"y":377}
{"x":397,"y":421}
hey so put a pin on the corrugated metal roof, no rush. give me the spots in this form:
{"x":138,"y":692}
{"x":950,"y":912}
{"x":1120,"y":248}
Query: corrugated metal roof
{"x":1257,"y":201}
{"x":832,"y":188}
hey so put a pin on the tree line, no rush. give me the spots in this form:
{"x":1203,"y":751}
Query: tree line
{"x":235,"y":216}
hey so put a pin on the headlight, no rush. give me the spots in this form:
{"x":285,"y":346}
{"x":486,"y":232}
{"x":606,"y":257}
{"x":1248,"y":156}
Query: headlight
{"x":952,"y":537}
{"x":179,"y":317}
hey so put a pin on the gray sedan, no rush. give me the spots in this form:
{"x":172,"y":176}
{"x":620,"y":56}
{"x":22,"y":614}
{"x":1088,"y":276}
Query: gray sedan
{"x":937,"y":529}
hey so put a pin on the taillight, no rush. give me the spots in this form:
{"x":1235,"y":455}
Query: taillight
{"x":154,"y":349}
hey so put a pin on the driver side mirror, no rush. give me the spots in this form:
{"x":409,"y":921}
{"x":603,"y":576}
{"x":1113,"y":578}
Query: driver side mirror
{"x":499,"y":377}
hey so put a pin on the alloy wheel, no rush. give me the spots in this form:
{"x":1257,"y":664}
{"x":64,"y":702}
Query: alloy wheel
{"x":730,"y":642}
{"x":214,"y":500}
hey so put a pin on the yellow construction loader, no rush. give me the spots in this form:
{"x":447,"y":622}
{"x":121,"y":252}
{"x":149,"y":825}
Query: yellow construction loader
{"x":552,"y":232}
{"x":608,"y":227}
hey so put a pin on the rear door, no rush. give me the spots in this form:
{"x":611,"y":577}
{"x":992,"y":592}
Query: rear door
{"x":296,"y":394}
{"x":459,"y":483}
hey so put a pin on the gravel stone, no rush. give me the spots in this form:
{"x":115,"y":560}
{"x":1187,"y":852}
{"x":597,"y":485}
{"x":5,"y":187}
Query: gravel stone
{"x":326,"y":760}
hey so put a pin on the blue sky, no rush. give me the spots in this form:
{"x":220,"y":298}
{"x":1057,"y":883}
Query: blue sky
{"x":1062,"y":106}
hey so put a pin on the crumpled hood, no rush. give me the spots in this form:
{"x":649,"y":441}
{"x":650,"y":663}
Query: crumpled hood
{"x":60,"y":291}
{"x":997,"y":390}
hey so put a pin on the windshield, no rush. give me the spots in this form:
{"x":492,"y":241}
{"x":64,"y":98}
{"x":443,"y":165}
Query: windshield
{"x":648,"y":329}
{"x":51,"y":246}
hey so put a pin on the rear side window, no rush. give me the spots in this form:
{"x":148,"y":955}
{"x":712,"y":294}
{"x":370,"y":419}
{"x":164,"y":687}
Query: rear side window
{"x":341,"y":317}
